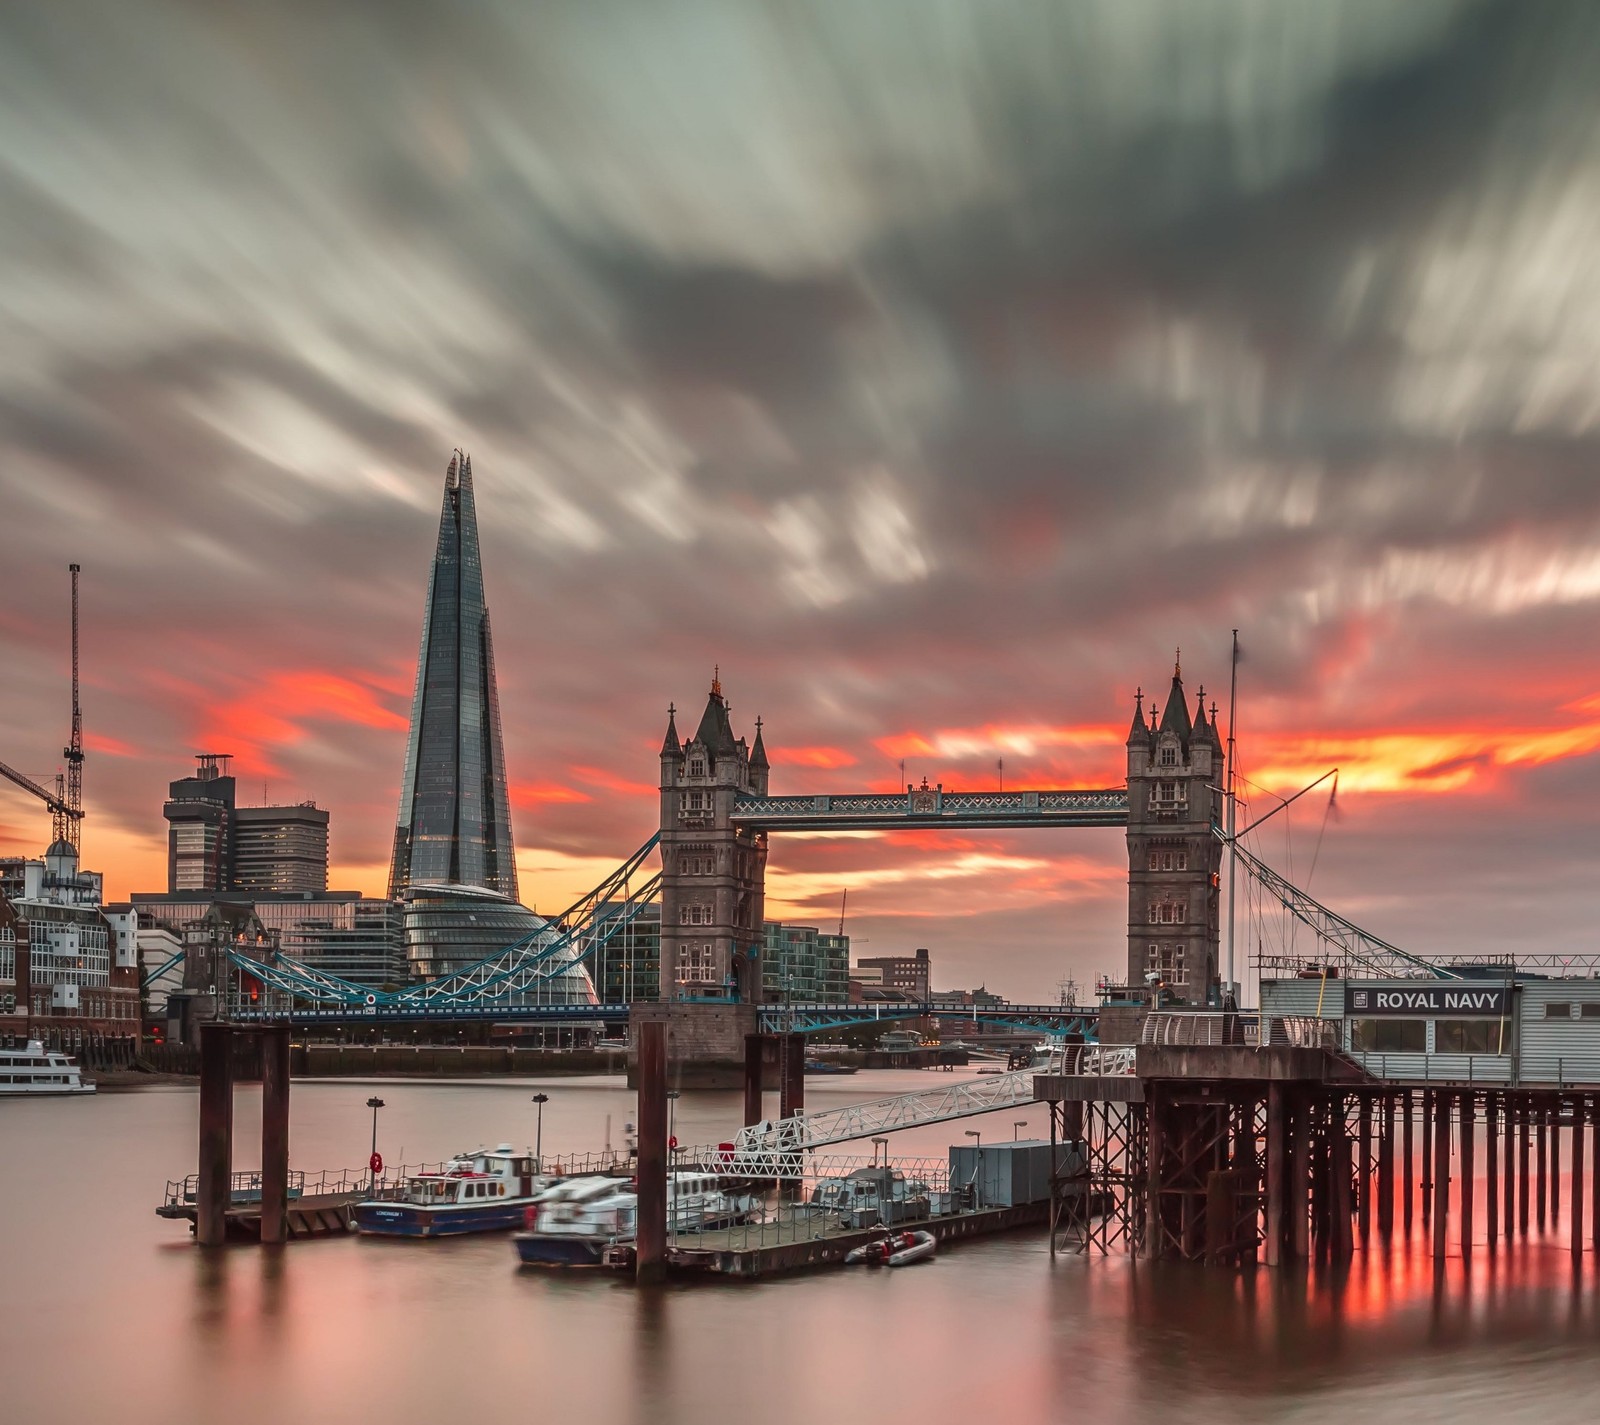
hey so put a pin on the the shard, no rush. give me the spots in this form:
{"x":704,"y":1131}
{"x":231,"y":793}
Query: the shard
{"x":454,"y":826}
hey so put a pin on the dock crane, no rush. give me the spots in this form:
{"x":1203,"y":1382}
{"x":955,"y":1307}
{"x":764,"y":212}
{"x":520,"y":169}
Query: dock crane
{"x":66,"y":802}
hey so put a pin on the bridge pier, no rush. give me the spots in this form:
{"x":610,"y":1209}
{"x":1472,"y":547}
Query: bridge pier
{"x":650,"y":1259}
{"x":706,"y":1042}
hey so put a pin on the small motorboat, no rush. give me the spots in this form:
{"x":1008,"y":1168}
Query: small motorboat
{"x":485,"y":1191}
{"x":893,"y":1249}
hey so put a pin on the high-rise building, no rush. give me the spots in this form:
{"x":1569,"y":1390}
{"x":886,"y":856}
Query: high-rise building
{"x":282,"y":849}
{"x":213,"y":844}
{"x":912,"y":974}
{"x":454,"y":826}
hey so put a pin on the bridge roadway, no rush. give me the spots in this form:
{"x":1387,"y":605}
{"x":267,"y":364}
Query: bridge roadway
{"x":776,"y":1019}
{"x":933,"y":806}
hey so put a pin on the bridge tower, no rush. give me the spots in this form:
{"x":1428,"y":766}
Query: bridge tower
{"x":1174,"y":854}
{"x":712,"y":872}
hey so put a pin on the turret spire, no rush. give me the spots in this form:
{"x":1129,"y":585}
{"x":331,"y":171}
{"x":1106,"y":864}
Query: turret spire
{"x":670,"y":746}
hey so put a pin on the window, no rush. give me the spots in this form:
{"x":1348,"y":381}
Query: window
{"x":1389,"y":1036}
{"x":694,"y":915}
{"x":1169,"y":756}
{"x":1469,"y":1036}
{"x":697,"y":766}
{"x":1591,"y":1011}
{"x":1558,"y":1010}
{"x":695,"y":964}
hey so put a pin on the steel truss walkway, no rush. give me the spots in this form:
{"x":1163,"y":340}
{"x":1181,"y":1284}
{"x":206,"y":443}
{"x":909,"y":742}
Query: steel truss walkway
{"x":778,"y":1138}
{"x":933,"y":806}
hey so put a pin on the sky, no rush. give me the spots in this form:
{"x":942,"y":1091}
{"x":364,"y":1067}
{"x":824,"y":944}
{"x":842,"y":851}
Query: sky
{"x":936,"y":370}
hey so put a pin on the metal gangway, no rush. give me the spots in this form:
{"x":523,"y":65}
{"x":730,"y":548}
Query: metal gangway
{"x":781,"y":1138}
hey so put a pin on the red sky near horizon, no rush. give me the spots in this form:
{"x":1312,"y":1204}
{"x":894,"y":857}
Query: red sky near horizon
{"x":937,"y":397}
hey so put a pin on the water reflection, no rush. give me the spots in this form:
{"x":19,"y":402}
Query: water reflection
{"x":354,"y":1329}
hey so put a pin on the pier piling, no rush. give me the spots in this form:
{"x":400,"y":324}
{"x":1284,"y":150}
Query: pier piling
{"x":1468,"y":1156}
{"x":214,"y":1184}
{"x":275,"y":1135}
{"x":755,"y":1046}
{"x":1441,"y":1174}
{"x":793,"y":1060}
{"x":1491,"y":1165}
{"x":1577,"y":1181}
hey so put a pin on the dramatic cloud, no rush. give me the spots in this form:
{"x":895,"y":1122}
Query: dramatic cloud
{"x":936,"y":368}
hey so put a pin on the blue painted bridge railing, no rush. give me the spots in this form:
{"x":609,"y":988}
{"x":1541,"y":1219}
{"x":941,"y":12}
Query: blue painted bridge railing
{"x":933,"y":806}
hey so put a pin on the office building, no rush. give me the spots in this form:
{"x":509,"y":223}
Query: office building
{"x":911,"y":975}
{"x":214,"y":845}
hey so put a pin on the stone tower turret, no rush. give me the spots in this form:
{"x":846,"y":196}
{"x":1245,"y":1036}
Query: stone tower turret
{"x":1174,"y":854}
{"x":712,"y":873}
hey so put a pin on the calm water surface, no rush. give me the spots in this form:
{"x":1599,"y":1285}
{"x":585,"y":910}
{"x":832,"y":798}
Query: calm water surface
{"x":109,"y":1314}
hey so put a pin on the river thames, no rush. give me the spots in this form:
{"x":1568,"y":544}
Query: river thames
{"x":110,"y":1314}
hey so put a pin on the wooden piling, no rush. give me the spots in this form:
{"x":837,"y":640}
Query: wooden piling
{"x":1386,"y":1168}
{"x":1553,"y":1112}
{"x":1509,"y":1104}
{"x":214,"y":1185}
{"x":650,"y":1256}
{"x":1594,"y":1175}
{"x":1277,"y":1171}
{"x":1342,"y":1244}
{"x":1577,"y":1180}
{"x":1441,"y":1173}
{"x":1491,"y":1155}
{"x":1299,"y":1207}
{"x":1407,"y":1160}
{"x":1468,"y":1156}
{"x":1364,"y":1173}
{"x":1541,"y":1191}
{"x":1429,"y":1107}
{"x":275,"y":1134}
{"x":1524,"y":1145}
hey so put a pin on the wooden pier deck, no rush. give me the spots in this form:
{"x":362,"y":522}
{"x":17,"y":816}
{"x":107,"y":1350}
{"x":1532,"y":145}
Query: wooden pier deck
{"x":320,"y":1215}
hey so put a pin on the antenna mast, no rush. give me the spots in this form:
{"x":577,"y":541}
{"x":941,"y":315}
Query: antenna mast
{"x":69,"y":821}
{"x":844,"y":898}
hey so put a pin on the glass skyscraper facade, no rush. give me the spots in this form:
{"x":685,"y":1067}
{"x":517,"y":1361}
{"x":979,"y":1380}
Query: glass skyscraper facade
{"x":454,"y":826}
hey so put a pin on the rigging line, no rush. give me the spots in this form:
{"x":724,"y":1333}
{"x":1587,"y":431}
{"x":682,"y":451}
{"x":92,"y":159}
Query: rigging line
{"x":1327,"y":812}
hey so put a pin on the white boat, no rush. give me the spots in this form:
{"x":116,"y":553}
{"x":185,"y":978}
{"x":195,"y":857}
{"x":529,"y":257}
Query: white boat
{"x":486,"y":1191}
{"x":893,"y":1249}
{"x":869,"y":1196}
{"x":37,"y":1070}
{"x":575,"y":1223}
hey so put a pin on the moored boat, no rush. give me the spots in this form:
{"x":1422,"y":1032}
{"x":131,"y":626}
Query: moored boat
{"x":37,"y":1070}
{"x":893,"y":1249}
{"x":578,"y":1223}
{"x":485,"y":1191}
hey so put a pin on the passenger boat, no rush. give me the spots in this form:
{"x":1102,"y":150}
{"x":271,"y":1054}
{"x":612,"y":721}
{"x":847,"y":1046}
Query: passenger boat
{"x":578,"y":1222}
{"x":894,"y":1249}
{"x":870,"y":1196}
{"x":485,"y":1191}
{"x":828,"y":1066}
{"x":37,"y":1070}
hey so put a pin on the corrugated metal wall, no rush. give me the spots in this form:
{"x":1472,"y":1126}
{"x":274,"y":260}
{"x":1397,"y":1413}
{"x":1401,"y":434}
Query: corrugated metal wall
{"x":1299,"y":998}
{"x":1563,"y":1049}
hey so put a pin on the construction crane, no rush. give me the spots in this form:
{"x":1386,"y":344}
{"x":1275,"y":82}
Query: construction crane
{"x":63,"y":813}
{"x":69,"y":818}
{"x":66,"y":802}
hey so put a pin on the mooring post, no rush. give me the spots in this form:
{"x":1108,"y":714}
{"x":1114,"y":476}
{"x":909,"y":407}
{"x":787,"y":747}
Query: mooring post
{"x":213,"y":1188}
{"x":755,"y":1046}
{"x":1277,"y":1152}
{"x":1441,"y":1173}
{"x":275,"y":1134}
{"x":1491,"y":1163}
{"x":650,"y":1259}
{"x":1386,"y":1167}
{"x":1577,"y":1180}
{"x":793,"y":1093}
{"x":1469,"y":1114}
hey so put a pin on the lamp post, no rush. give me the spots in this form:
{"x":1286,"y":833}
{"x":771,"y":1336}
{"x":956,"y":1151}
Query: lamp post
{"x":672,"y":1157}
{"x":977,"y":1172}
{"x":885,"y":1144}
{"x":374,"y":1103}
{"x":538,"y":1133}
{"x":1017,"y":1127}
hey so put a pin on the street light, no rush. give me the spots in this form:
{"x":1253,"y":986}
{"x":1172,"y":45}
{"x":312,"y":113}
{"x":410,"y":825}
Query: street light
{"x":538,"y":1133}
{"x":1017,"y":1127}
{"x":885,"y":1143}
{"x":672,"y":1153}
{"x":374,"y":1103}
{"x":977,"y":1171}
{"x":672,"y":1114}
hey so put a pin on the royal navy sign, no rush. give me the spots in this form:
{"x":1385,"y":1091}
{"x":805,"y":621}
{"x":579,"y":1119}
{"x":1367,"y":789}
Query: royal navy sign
{"x":1437,"y":1000}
